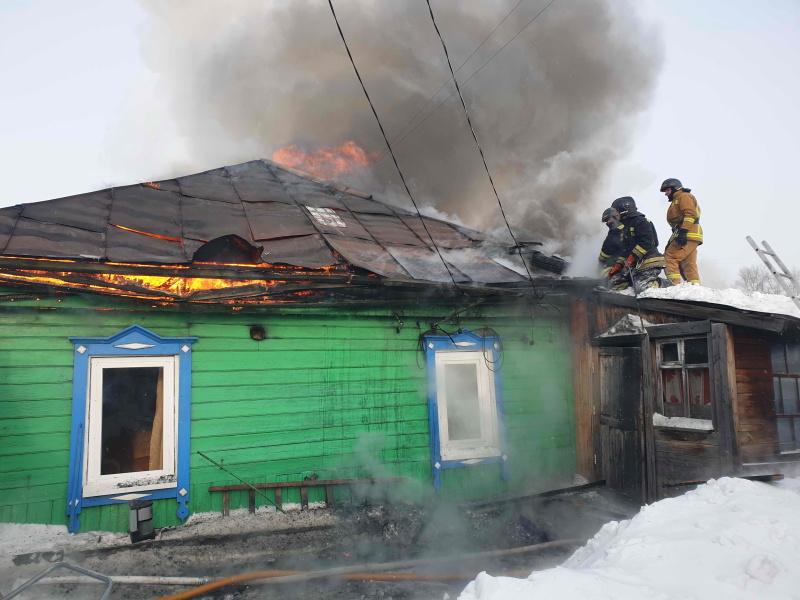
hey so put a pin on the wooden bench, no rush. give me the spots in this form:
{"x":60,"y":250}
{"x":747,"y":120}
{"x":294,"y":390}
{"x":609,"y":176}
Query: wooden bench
{"x":303,"y":485}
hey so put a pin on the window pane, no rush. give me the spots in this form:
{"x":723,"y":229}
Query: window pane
{"x":699,"y":394}
{"x":785,"y":434}
{"x":796,"y":434}
{"x":778,"y":359}
{"x":789,"y":394}
{"x":695,"y":352}
{"x":672,"y":384}
{"x":793,"y":358}
{"x":669,"y":352}
{"x":132,"y":420}
{"x":463,"y":409}
{"x":776,"y":384}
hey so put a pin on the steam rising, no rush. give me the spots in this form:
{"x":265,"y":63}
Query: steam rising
{"x":553,"y":111}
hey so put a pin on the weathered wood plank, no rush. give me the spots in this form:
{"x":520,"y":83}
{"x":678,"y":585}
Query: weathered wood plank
{"x":723,"y":395}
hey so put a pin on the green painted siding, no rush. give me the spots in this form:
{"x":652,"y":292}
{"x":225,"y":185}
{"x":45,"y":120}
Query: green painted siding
{"x":337,"y":392}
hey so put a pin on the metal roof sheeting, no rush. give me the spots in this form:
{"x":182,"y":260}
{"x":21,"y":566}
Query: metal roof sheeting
{"x":264,"y":203}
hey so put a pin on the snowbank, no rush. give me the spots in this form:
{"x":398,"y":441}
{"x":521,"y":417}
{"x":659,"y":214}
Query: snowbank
{"x":766,"y":303}
{"x":730,"y":538}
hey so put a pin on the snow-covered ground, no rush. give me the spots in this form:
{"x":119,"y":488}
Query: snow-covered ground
{"x":730,"y":538}
{"x":766,"y":303}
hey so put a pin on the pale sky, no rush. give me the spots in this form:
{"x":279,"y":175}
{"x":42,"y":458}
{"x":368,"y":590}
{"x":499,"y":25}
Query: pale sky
{"x":78,"y":103}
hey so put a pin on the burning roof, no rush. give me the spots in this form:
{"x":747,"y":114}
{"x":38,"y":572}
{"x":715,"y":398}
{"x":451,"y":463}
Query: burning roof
{"x":260,"y":217}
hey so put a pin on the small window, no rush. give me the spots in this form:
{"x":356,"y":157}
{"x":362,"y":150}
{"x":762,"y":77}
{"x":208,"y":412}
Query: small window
{"x":465,"y":402}
{"x":130,"y":425}
{"x":326,"y":216}
{"x":131,"y":430}
{"x":786,"y":386}
{"x":684,"y":382}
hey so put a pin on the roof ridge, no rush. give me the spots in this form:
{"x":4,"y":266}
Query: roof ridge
{"x":326,"y":182}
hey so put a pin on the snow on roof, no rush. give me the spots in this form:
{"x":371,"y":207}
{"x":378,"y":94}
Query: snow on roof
{"x":758,"y":302}
{"x":729,"y":538}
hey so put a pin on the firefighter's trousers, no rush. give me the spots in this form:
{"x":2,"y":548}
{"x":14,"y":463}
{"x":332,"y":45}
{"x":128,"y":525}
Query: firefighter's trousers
{"x":682,"y":261}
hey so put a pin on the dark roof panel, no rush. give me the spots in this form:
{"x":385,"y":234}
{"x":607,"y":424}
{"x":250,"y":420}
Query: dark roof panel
{"x":8,"y":219}
{"x":365,"y":205}
{"x":478,"y":267}
{"x":275,"y":220}
{"x":129,"y":247}
{"x":367,"y":255}
{"x":205,"y":219}
{"x":146,"y":209}
{"x":425,"y":264}
{"x":86,"y":211}
{"x":389,"y":229}
{"x":444,"y":234}
{"x":211,"y":185}
{"x":46,"y":240}
{"x":308,"y":251}
{"x":252,"y":189}
{"x":254,"y":168}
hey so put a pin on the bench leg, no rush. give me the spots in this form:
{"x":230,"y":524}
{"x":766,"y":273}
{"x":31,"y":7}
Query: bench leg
{"x":252,"y":506}
{"x":303,"y":498}
{"x":226,"y":504}
{"x":278,"y":499}
{"x":328,"y":496}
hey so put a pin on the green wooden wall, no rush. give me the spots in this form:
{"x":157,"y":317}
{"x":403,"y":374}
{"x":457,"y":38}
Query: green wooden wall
{"x":337,"y":392}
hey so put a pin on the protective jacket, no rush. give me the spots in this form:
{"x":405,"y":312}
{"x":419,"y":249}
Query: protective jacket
{"x":613,"y":247}
{"x":641,"y":240}
{"x":684,"y":213}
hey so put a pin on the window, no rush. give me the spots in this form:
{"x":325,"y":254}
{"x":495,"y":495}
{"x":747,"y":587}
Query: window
{"x":786,"y":383}
{"x":465,"y":402}
{"x":684,"y":383}
{"x":130,"y":422}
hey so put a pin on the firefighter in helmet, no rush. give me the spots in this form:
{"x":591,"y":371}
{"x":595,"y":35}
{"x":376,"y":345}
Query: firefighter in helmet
{"x":683,"y":215}
{"x":611,"y":250}
{"x":640,"y":262}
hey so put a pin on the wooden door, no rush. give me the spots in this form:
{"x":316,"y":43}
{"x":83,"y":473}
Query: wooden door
{"x":621,"y":421}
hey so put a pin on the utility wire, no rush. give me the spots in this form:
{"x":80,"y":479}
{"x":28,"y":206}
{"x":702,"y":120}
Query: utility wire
{"x":389,"y":146}
{"x":463,"y":64}
{"x":430,"y":114}
{"x":477,"y":143}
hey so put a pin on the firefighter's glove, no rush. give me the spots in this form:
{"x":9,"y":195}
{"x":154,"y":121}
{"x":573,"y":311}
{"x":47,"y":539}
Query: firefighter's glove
{"x":629,"y":261}
{"x":680,"y":239}
{"x":614,"y":270}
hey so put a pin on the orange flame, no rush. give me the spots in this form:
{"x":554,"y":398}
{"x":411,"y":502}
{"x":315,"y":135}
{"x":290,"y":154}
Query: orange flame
{"x":327,"y":163}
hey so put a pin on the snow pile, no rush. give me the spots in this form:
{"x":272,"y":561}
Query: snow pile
{"x":766,"y":303}
{"x":730,"y":538}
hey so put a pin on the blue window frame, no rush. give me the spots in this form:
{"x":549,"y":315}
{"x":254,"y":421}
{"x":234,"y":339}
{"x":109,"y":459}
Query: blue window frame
{"x":465,"y":402}
{"x":130,"y":420}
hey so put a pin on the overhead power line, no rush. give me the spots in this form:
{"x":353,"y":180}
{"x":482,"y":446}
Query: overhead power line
{"x":463,"y":64}
{"x":475,"y":137}
{"x":388,"y":145}
{"x":464,"y":83}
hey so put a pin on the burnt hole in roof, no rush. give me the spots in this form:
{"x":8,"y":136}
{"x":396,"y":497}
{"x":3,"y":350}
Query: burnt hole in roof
{"x":228,"y":249}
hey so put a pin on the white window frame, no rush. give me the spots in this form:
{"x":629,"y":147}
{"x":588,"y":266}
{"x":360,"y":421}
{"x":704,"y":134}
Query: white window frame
{"x":684,"y":367}
{"x":488,"y":443}
{"x":95,"y":484}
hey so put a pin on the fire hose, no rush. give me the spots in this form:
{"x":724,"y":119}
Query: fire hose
{"x":369,"y":572}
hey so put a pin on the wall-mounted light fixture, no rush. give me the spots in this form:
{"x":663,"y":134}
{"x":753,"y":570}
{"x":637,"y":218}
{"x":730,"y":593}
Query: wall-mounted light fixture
{"x":258,"y":333}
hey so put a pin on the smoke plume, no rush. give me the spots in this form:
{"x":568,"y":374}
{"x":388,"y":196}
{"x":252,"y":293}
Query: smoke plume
{"x":553,"y":111}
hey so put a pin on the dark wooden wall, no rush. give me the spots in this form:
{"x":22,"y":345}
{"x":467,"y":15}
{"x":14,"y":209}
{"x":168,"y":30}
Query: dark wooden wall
{"x":758,"y":433}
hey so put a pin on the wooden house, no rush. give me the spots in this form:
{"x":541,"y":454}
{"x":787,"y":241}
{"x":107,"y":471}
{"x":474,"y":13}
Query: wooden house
{"x":288,"y":328}
{"x":669,"y":393}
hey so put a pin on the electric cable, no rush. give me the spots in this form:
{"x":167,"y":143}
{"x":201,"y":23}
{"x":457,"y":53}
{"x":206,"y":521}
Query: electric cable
{"x":464,"y":83}
{"x":463,"y":64}
{"x":389,"y":146}
{"x":477,"y":143}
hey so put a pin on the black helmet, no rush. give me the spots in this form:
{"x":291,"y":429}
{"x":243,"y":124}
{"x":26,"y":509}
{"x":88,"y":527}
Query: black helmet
{"x":624,"y":205}
{"x":609,"y":214}
{"x":673,"y":183}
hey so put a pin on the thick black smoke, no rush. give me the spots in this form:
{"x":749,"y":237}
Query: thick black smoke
{"x":553,"y":111}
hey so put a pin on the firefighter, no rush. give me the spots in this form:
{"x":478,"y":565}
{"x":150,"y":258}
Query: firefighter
{"x":640,"y":260}
{"x":683,"y":215}
{"x":612,"y":246}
